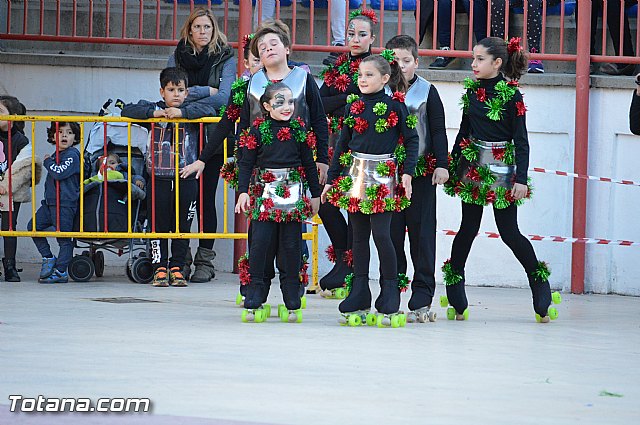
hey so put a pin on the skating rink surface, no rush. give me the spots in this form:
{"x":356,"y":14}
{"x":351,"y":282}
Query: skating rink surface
{"x":190,"y":354}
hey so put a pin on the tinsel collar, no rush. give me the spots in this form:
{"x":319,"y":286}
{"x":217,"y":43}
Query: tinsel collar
{"x":495,"y":93}
{"x":343,"y":72}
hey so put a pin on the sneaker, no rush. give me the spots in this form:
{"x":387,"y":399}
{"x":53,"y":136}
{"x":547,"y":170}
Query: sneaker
{"x":535,"y":67}
{"x":441,"y":62}
{"x":333,"y":56}
{"x":176,"y":278}
{"x":48,"y":265}
{"x":160,"y":277}
{"x":55,"y":277}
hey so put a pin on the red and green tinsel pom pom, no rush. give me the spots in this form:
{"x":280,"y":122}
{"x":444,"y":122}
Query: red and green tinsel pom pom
{"x":451,"y":277}
{"x":243,"y":269}
{"x":542,"y":271}
{"x":403,"y":282}
{"x":348,"y":282}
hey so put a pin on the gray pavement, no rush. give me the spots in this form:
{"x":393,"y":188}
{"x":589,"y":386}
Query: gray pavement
{"x":190,"y":354}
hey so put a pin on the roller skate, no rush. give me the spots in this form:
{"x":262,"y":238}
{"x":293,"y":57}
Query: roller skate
{"x":355,"y":310}
{"x":332,"y":284}
{"x":389,"y":314}
{"x":542,"y":296}
{"x":456,"y":298}
{"x":254,"y":310}
{"x":420,"y":304}
{"x":291,"y":310}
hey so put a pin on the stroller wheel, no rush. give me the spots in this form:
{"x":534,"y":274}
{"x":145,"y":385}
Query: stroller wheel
{"x":142,"y":270}
{"x":81,"y":268}
{"x":128,"y":268}
{"x":98,"y":262}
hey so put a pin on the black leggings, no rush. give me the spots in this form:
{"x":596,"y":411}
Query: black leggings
{"x":534,"y":21}
{"x":338,"y":229}
{"x":288,"y":238}
{"x":380,"y":225}
{"x":10,"y":242}
{"x":507,"y":222}
{"x":210,"y":177}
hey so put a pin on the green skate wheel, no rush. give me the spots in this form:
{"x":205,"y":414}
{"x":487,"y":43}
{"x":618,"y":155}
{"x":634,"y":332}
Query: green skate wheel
{"x":244,"y":316}
{"x":355,"y":320}
{"x":303,"y":302}
{"x":451,"y":313}
{"x":298,"y":316}
{"x":281,"y":308}
{"x":395,"y":321}
{"x":379,"y":321}
{"x":444,"y":301}
{"x":341,"y":293}
{"x":239,"y":299}
{"x":553,"y":313}
{"x":371,"y":319}
{"x":465,"y":314}
{"x":261,"y":316}
{"x":538,"y":318}
{"x":284,"y":316}
{"x":267,"y":309}
{"x":556,"y":297}
{"x":403,"y":320}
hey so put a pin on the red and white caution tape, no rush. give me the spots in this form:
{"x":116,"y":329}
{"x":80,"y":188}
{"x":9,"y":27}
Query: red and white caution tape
{"x":596,"y":241}
{"x":584,"y":176}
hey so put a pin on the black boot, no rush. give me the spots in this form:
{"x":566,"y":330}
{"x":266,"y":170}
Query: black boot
{"x":421,"y":296}
{"x":255,"y":295}
{"x":359,"y":297}
{"x":540,"y":289}
{"x":10,"y":272}
{"x":456,"y":295}
{"x":335,"y":278}
{"x":291,"y":310}
{"x":389,"y":296}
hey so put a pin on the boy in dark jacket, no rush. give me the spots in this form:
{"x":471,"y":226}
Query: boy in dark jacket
{"x":61,"y":194}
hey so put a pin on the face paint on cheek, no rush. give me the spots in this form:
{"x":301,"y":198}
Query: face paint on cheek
{"x":279,"y":101}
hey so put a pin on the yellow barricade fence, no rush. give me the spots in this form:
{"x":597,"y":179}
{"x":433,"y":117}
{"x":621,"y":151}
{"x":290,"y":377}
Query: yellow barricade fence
{"x":82,"y":120}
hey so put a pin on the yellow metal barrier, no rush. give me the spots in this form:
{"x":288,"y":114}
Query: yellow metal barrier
{"x":225,"y":234}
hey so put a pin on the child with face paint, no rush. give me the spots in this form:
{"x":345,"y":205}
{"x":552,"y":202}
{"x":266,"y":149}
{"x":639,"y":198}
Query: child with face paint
{"x":489,"y":167}
{"x":278,"y":145}
{"x":341,"y":80}
{"x":363,"y":179}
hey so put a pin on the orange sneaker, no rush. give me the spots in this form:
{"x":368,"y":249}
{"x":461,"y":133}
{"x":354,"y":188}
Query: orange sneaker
{"x":176,"y":277}
{"x":160,"y":277}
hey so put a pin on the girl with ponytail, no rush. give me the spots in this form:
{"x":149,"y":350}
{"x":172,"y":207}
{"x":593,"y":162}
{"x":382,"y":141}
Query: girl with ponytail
{"x":489,"y":167}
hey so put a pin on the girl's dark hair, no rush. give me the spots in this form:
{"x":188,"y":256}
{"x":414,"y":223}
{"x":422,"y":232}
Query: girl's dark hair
{"x":269,"y":91}
{"x":514,"y":64}
{"x":276,"y":27}
{"x":51,"y":131}
{"x":397,"y":82}
{"x":14,"y":107}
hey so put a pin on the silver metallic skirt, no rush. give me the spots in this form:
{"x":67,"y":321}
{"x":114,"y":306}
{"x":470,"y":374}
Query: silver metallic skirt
{"x":504,"y":174}
{"x":363,"y":173}
{"x":278,"y":185}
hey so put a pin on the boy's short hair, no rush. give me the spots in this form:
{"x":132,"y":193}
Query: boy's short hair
{"x":405,"y":42}
{"x":173,"y":75}
{"x":276,"y":27}
{"x":51,"y":131}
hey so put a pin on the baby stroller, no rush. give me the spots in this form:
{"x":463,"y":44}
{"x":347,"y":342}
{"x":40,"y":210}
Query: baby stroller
{"x":106,"y":209}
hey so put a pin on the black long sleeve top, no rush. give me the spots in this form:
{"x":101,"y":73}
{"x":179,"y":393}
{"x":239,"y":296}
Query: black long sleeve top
{"x":511,"y":126}
{"x":333,"y":97}
{"x":437,"y":126}
{"x":285,"y":153}
{"x":317,"y":123}
{"x":363,"y":137}
{"x":634,"y":114}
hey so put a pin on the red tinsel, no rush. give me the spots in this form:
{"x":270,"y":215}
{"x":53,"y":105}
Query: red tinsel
{"x":509,"y":196}
{"x":473,"y":174}
{"x":401,"y":139}
{"x":357,"y":107}
{"x":335,"y":197}
{"x":361,"y":125}
{"x":341,"y":59}
{"x":312,"y":139}
{"x":330,"y":77}
{"x":481,"y":94}
{"x":498,"y":153}
{"x":400,"y":191}
{"x":268,"y":177}
{"x":383,"y":191}
{"x":354,"y":205}
{"x":491,"y":196}
{"x":264,"y":216}
{"x":257,"y":122}
{"x":287,"y":192}
{"x":475,"y":192}
{"x":398,"y":202}
{"x":284,"y":134}
{"x":369,"y":13}
{"x":392,"y":167}
{"x":342,"y":82}
{"x":348,"y":257}
{"x":353,"y":66}
{"x":464,"y":143}
{"x":377,"y":206}
{"x":399,"y":96}
{"x":514,"y":45}
{"x":303,"y":174}
{"x":331,"y":253}
{"x":513,"y":83}
{"x":300,"y":121}
{"x":268,"y":204}
{"x":520,"y":106}
{"x":304,"y":276}
{"x":257,"y":189}
{"x":331,"y":150}
{"x":431,"y":163}
{"x":392,"y":119}
{"x":247,"y":140}
{"x":243,"y":270}
{"x":233,"y":112}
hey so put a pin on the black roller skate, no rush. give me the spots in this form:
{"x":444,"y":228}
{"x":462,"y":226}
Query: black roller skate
{"x":420,"y":304}
{"x":291,"y":310}
{"x":254,"y":310}
{"x":332,"y":284}
{"x":541,"y":293}
{"x":456,"y":297}
{"x":356,"y":308}
{"x":388,"y":305}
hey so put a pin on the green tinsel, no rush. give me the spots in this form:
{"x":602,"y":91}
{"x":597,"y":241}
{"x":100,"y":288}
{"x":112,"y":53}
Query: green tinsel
{"x":486,"y":175}
{"x":466,"y":193}
{"x":223,"y":109}
{"x":471,"y":152}
{"x":404,"y":202}
{"x":449,"y":189}
{"x":470,"y":84}
{"x":366,"y":207}
{"x":345,"y":184}
{"x":495,"y":106}
{"x":346,"y":159}
{"x":451,"y":277}
{"x":388,"y":54}
{"x":421,"y":166}
{"x":412,"y":121}
{"x":382,"y":169}
{"x":464,"y":103}
{"x":372,"y":191}
{"x":294,"y":176}
{"x":265,"y":131}
{"x":389,"y":204}
{"x":240,"y":83}
{"x":280,"y":190}
{"x":400,"y":153}
{"x":300,"y":205}
{"x":349,"y":121}
{"x":380,"y":108}
{"x":381,"y":125}
{"x":509,"y":154}
{"x":505,"y":91}
{"x":352,"y":98}
{"x":343,"y":203}
{"x":238,"y":98}
{"x":403,"y":281}
{"x":542,"y":271}
{"x":348,"y":282}
{"x":501,"y":201}
{"x":344,"y":67}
